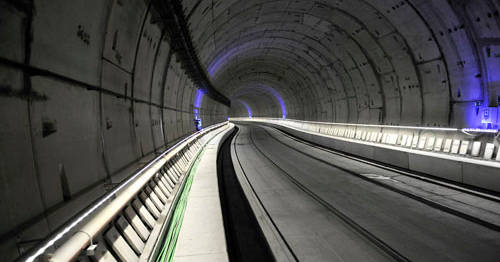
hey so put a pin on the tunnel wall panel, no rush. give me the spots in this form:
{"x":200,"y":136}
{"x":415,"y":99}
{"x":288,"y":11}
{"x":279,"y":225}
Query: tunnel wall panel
{"x":178,"y":124}
{"x":156,"y":127}
{"x":120,"y":145}
{"x":116,"y":80}
{"x":341,"y":112}
{"x":412,"y":28}
{"x":149,"y":42}
{"x":68,"y":152}
{"x":353,"y":109}
{"x":462,"y":65}
{"x":436,"y":95}
{"x":171,"y":88}
{"x":166,"y":126}
{"x":485,"y":27}
{"x":143,"y":127}
{"x":69,"y":43}
{"x":392,"y":99}
{"x":160,"y":73}
{"x":375,"y":52}
{"x":123,"y":32}
{"x":411,"y":100}
{"x":12,"y":25}
{"x":171,"y":125}
{"x":18,"y":173}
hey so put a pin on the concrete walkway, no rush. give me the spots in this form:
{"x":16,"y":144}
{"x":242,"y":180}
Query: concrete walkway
{"x":202,"y":236}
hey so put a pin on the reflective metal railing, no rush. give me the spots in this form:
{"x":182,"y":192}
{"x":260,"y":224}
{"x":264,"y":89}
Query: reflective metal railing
{"x":467,"y":142}
{"x":125,"y":224}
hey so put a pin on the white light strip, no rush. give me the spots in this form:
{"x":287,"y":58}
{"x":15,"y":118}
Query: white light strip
{"x":108,"y":196}
{"x":475,"y":130}
{"x":478,"y":130}
{"x":382,"y":126}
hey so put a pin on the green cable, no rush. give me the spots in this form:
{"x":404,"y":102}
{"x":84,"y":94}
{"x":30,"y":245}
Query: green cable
{"x":168,"y":250}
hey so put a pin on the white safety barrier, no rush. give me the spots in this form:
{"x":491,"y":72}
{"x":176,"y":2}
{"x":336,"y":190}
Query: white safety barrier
{"x":469,"y":156}
{"x":457,"y":141}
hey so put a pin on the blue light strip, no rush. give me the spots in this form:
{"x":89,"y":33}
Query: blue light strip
{"x":247,"y":107}
{"x":266,"y":89}
{"x":222,"y":59}
{"x":279,"y":98}
{"x":196,"y":107}
{"x":197,"y":102}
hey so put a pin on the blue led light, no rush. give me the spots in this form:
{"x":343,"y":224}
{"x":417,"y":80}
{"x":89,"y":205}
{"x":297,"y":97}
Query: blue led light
{"x":266,"y":89}
{"x":222,"y":59}
{"x":225,"y":56}
{"x":196,"y":108}
{"x":198,"y":98}
{"x":247,"y":107}
{"x":279,"y":98}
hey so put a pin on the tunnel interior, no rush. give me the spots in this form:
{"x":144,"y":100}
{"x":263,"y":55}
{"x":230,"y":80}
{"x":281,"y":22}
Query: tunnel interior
{"x":419,"y":63}
{"x":90,"y":88}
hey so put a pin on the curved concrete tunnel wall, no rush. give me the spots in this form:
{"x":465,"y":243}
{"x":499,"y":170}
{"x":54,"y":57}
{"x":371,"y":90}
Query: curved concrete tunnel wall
{"x":88,"y":88}
{"x":266,"y":101}
{"x":415,"y":62}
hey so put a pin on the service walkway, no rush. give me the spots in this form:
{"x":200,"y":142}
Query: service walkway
{"x":202,"y":236}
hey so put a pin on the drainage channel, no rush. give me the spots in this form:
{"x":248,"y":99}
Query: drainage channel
{"x":244,"y":238}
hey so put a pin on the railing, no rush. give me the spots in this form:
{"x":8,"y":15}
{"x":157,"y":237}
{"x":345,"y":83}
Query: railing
{"x":466,"y":142}
{"x":137,"y":208}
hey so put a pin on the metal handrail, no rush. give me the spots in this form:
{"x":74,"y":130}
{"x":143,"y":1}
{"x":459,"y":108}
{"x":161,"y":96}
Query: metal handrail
{"x":120,"y":196}
{"x":446,"y":129}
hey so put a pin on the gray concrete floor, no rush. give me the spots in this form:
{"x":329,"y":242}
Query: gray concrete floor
{"x":201,"y":237}
{"x":417,"y":231}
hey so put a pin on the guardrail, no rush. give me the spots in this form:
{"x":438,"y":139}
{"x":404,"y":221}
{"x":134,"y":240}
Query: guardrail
{"x":466,"y":156}
{"x":128,"y":219}
{"x":465,"y":142}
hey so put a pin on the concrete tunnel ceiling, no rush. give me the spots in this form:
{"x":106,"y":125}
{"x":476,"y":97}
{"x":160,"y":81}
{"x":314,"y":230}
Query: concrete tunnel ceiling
{"x":416,"y":62}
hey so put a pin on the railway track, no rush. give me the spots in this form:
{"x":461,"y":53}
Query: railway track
{"x":423,"y":200}
{"x":351,"y":223}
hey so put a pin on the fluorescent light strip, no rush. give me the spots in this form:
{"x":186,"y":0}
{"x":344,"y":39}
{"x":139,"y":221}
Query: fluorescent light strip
{"x":381,"y":126}
{"x":475,"y":130}
{"x":479,"y":130}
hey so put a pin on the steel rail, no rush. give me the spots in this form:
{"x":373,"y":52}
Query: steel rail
{"x":377,"y":242}
{"x":428,"y":202}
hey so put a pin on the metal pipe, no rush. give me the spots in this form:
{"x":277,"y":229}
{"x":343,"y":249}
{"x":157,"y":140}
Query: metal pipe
{"x":81,"y":238}
{"x":72,"y":248}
